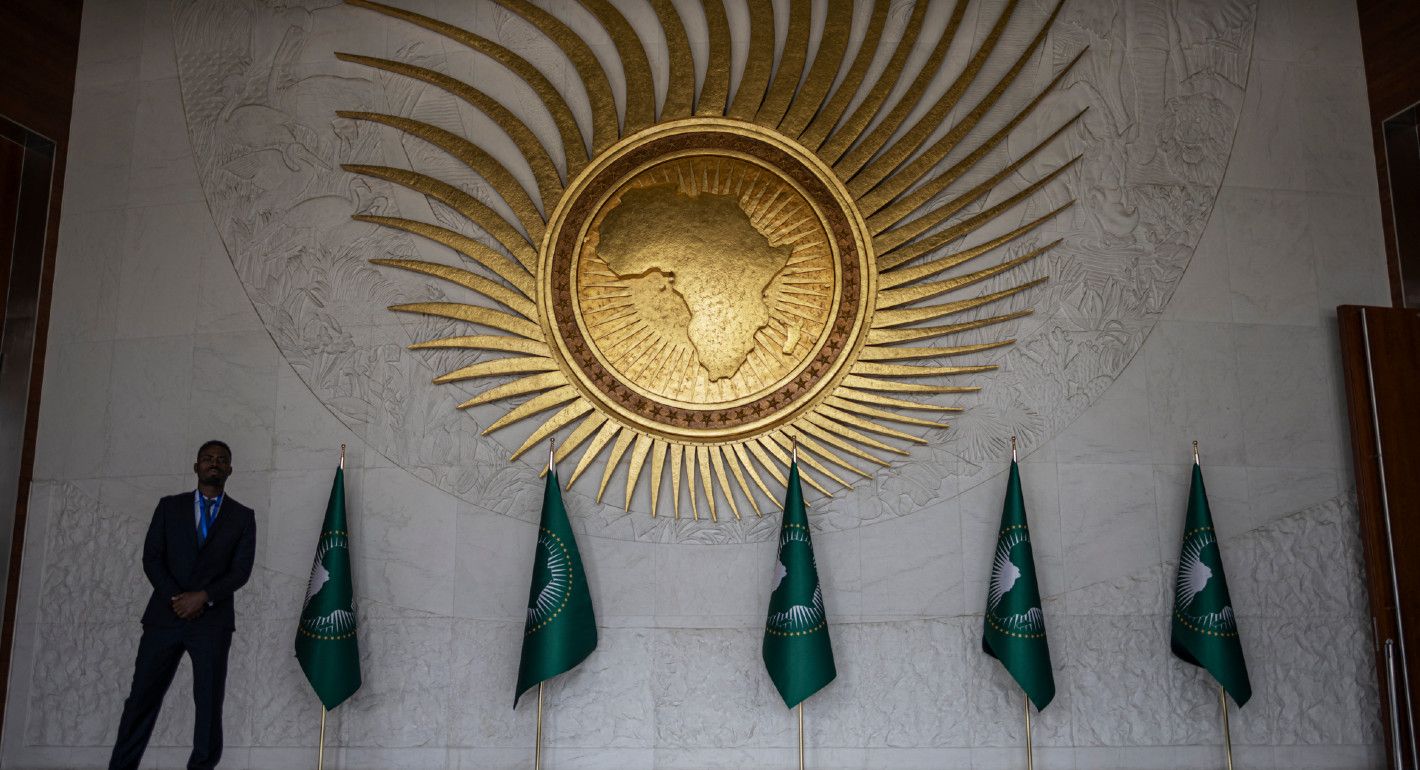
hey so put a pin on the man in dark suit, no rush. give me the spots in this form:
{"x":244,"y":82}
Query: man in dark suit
{"x":198,"y":552}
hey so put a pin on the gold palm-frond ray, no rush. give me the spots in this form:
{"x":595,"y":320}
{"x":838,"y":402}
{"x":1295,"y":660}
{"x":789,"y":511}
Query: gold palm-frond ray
{"x":894,"y":181}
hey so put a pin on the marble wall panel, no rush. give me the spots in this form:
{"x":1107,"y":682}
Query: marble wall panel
{"x":1293,"y":414}
{"x":80,"y":373}
{"x":1194,"y":393}
{"x":163,"y":170}
{"x":101,"y":136}
{"x":157,"y":281}
{"x":90,"y":309}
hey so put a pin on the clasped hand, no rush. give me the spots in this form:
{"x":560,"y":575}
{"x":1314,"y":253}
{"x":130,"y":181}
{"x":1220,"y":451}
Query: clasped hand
{"x":189,"y":605}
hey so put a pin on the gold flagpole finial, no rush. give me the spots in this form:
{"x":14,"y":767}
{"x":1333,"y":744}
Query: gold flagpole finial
{"x":551,"y":447}
{"x":1013,"y":449}
{"x":342,"y":457}
{"x":1195,"y":452}
{"x":795,"y":450}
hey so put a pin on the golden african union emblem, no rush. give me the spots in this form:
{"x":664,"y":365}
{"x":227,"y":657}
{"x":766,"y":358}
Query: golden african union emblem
{"x":712,"y":281}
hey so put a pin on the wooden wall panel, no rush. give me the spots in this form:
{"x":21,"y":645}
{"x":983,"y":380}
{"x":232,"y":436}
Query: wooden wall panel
{"x":1380,"y":351}
{"x":1390,"y":43}
{"x":38,"y":57}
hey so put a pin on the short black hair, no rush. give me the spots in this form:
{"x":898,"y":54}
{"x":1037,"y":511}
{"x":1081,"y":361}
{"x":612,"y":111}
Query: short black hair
{"x":212,"y":443}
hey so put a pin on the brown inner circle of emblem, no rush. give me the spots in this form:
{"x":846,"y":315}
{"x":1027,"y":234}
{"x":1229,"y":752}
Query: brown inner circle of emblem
{"x":695,"y":280}
{"x":705,"y":281}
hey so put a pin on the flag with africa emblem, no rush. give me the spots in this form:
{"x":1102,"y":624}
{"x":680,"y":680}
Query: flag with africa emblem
{"x":797,"y":651}
{"x":1205,"y":632}
{"x":561,"y":630}
{"x":326,"y":643}
{"x":1014,"y":628}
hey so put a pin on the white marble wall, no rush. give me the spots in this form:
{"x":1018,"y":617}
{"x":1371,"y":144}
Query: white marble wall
{"x":155,"y":346}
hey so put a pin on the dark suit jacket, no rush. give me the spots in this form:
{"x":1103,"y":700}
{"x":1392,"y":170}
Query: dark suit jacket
{"x":174,"y":563}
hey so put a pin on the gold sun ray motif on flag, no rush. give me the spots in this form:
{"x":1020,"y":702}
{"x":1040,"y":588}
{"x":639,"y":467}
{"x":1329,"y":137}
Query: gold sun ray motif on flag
{"x":689,"y":291}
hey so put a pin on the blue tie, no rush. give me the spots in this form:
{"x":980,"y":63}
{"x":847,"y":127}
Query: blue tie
{"x":206,"y":523}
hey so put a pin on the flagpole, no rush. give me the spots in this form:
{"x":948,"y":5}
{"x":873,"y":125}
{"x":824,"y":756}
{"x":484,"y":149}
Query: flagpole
{"x":320,"y":749}
{"x":801,"y":735}
{"x":320,"y":752}
{"x":1013,"y":449}
{"x":1222,"y":694}
{"x":1227,"y":731}
{"x":1030,"y":752}
{"x":794,"y":454}
{"x":537,"y":748}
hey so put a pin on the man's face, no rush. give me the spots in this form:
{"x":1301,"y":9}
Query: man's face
{"x":213,"y":466}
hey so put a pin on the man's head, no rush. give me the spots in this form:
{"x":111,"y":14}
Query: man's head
{"x":214,"y":464}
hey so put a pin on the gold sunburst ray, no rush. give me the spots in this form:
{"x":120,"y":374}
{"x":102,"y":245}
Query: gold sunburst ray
{"x":742,"y":455}
{"x":604,"y":434}
{"x":564,"y":417}
{"x":832,"y":110}
{"x":931,"y":267}
{"x":470,"y":280}
{"x":574,"y":151}
{"x":680,"y":90}
{"x":508,"y":269}
{"x":618,"y":450}
{"x":675,"y":456}
{"x":593,"y":78}
{"x":807,"y":457}
{"x":857,"y":121}
{"x":544,"y":168}
{"x":493,"y":342}
{"x":851,"y":163}
{"x":717,"y":461}
{"x":900,"y":210}
{"x":832,"y":412}
{"x":690,"y":485}
{"x":815,"y":327}
{"x":822,"y":418}
{"x":658,"y":465}
{"x":878,"y":171}
{"x":732,"y":459}
{"x":702,"y":462}
{"x":833,"y":43}
{"x":475,"y":158}
{"x":888,"y":187}
{"x":889,"y":238}
{"x":633,"y":470}
{"x":921,"y":291}
{"x":907,"y":353}
{"x":522,"y":386}
{"x":469,"y":207}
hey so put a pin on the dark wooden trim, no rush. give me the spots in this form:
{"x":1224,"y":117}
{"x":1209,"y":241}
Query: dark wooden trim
{"x":1392,"y":255}
{"x":44,"y":174}
{"x":1388,"y":468}
{"x":37,"y":65}
{"x":1389,"y":31}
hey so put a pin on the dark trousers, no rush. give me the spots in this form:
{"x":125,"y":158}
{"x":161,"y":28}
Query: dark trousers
{"x":159,"y":652}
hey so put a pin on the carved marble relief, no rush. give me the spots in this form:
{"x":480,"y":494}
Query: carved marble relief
{"x":1160,"y":87}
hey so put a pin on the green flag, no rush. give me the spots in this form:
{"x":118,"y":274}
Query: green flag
{"x":561,"y":630}
{"x":1205,"y":633}
{"x":326,"y":645}
{"x":1014,"y":628}
{"x":797,"y":650}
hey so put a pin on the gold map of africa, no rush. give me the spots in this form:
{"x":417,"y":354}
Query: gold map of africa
{"x":705,"y":280}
